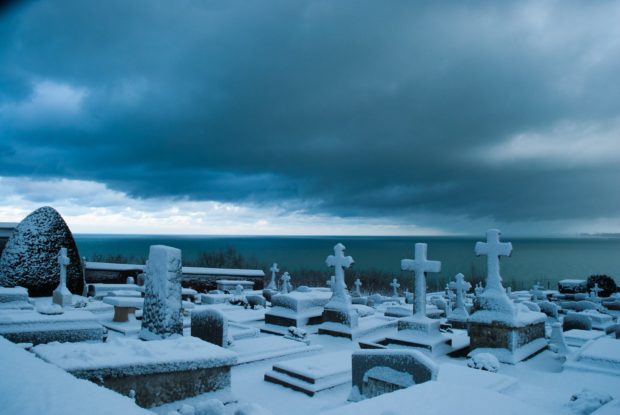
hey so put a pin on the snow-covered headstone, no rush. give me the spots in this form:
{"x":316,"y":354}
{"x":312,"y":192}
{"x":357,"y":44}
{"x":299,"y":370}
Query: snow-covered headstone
{"x":211,"y":326}
{"x":238,"y":290}
{"x":395,"y":285}
{"x":494,"y":295}
{"x":357,"y":284}
{"x":460,"y":287}
{"x":30,"y":257}
{"x":61,"y":295}
{"x":161,"y":315}
{"x":556,"y":342}
{"x":339,"y":308}
{"x":272,"y":284}
{"x":285,"y":287}
{"x":594,"y":292}
{"x":420,"y":266}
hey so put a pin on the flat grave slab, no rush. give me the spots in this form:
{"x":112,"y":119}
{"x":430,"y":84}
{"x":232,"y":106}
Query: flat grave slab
{"x":26,"y":326}
{"x":599,"y":320}
{"x":601,"y":355}
{"x":312,"y":374}
{"x":159,"y":371}
{"x":462,"y":375}
{"x":578,"y":338}
{"x":269,"y":347}
{"x":10,"y":294}
{"x":367,"y":326}
{"x":433,"y":344}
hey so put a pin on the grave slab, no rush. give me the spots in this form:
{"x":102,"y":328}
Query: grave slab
{"x":461,"y":375}
{"x":601,"y":355}
{"x":159,"y":371}
{"x":578,"y":338}
{"x":365,"y":326}
{"x":26,"y":326}
{"x":312,"y":374}
{"x":269,"y":347}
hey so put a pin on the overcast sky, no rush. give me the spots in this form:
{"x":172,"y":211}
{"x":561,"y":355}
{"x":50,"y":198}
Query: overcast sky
{"x":312,"y":117}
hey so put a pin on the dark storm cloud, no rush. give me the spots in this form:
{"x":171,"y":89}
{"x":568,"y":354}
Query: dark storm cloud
{"x":348,"y":108}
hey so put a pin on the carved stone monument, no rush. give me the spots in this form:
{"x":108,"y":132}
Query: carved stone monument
{"x":61,"y":295}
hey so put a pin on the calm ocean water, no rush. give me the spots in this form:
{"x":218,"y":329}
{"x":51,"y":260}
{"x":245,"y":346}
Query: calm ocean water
{"x":544,"y":259}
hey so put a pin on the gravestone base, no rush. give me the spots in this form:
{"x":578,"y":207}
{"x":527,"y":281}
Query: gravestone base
{"x":63,"y":298}
{"x":458,"y":322}
{"x":510,"y":343}
{"x":423,"y":325}
{"x":347,"y":317}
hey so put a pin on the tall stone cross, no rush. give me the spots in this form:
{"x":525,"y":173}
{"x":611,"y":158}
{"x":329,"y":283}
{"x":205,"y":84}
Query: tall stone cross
{"x":272,"y":284}
{"x":395,"y":285}
{"x":63,"y":261}
{"x":595,"y":290}
{"x":420,"y":266}
{"x":460,"y":286}
{"x":339,"y":261}
{"x":285,"y":278}
{"x":358,"y":285}
{"x":493,"y":249}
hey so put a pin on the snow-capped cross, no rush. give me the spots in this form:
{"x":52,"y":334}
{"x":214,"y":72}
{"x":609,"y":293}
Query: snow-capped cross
{"x":358,"y":285}
{"x":420,"y":266}
{"x":595,"y":290}
{"x":63,"y":261}
{"x":272,"y":284}
{"x":395,"y":285}
{"x":460,"y":287}
{"x":493,"y":249}
{"x":339,"y":261}
{"x":285,"y":278}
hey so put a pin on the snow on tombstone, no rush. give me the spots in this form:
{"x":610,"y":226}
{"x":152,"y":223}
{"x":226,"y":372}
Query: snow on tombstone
{"x":61,"y":295}
{"x":30,"y":257}
{"x":211,"y":326}
{"x":161,"y":316}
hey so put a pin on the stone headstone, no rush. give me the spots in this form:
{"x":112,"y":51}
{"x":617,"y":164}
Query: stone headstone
{"x":30,"y":257}
{"x":285,"y":287}
{"x":61,"y":295}
{"x":161,"y":316}
{"x":576,"y":321}
{"x":460,"y":286}
{"x":420,"y":266}
{"x":131,"y":280}
{"x":357,"y":284}
{"x":395,"y":285}
{"x":556,"y":341}
{"x":375,"y":372}
{"x":211,"y":326}
{"x":339,"y":308}
{"x":272,"y":284}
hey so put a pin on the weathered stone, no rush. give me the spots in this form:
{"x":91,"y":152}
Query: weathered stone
{"x":162,"y":301}
{"x":30,"y":258}
{"x":500,"y":335}
{"x":576,"y":321}
{"x":211,"y":326}
{"x":392,"y":365}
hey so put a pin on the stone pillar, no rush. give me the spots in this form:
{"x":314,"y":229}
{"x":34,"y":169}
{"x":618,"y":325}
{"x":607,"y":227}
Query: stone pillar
{"x":162,"y":301}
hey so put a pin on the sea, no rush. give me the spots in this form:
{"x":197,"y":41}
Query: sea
{"x":544,"y":260}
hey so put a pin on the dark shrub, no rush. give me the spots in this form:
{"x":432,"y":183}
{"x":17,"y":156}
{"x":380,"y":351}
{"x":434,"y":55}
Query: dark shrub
{"x":605,"y":282}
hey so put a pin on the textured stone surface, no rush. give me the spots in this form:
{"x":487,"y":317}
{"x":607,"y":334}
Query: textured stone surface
{"x":576,"y":321}
{"x":500,"y":335}
{"x":161,"y":316}
{"x":30,"y":258}
{"x":210,"y":326}
{"x":420,"y":368}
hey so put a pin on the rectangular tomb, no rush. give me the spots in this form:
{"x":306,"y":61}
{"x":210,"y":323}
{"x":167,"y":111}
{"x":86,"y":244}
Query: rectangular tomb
{"x":159,"y":371}
{"x":26,"y":326}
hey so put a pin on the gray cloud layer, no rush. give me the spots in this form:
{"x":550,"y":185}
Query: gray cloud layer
{"x":353,"y":108}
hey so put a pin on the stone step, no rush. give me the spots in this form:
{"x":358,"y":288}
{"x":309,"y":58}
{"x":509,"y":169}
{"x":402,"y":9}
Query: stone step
{"x":314,"y":373}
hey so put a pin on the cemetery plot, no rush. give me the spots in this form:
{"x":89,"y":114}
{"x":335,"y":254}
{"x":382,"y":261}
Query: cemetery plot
{"x":269,"y":347}
{"x":578,"y":338}
{"x":314,"y":373}
{"x":601,"y":355}
{"x":158,"y":371}
{"x":461,"y":375}
{"x":25,"y":326}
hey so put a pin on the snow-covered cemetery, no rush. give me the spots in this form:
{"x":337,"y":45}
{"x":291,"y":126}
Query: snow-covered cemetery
{"x":258,"y":343}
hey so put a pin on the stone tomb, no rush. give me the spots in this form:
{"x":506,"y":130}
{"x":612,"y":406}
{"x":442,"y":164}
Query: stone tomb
{"x":314,"y":373}
{"x":158,"y":371}
{"x":15,"y":298}
{"x":498,"y":326}
{"x":25,"y":326}
{"x":375,"y":372}
{"x":297,"y":309}
{"x":601,"y":355}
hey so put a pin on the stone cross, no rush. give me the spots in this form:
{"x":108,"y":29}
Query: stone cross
{"x":285,"y":278}
{"x":61,"y":295}
{"x":420,"y":266}
{"x":460,"y":287}
{"x":330,"y":282}
{"x":479,"y":289}
{"x":339,"y":261}
{"x":493,"y":249}
{"x":63,"y":261}
{"x":272,"y":284}
{"x":358,"y":285}
{"x":395,"y":285}
{"x":595,"y":290}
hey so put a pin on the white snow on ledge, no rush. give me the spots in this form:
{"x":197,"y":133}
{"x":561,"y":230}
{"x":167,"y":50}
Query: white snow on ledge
{"x":108,"y":266}
{"x":29,"y":386}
